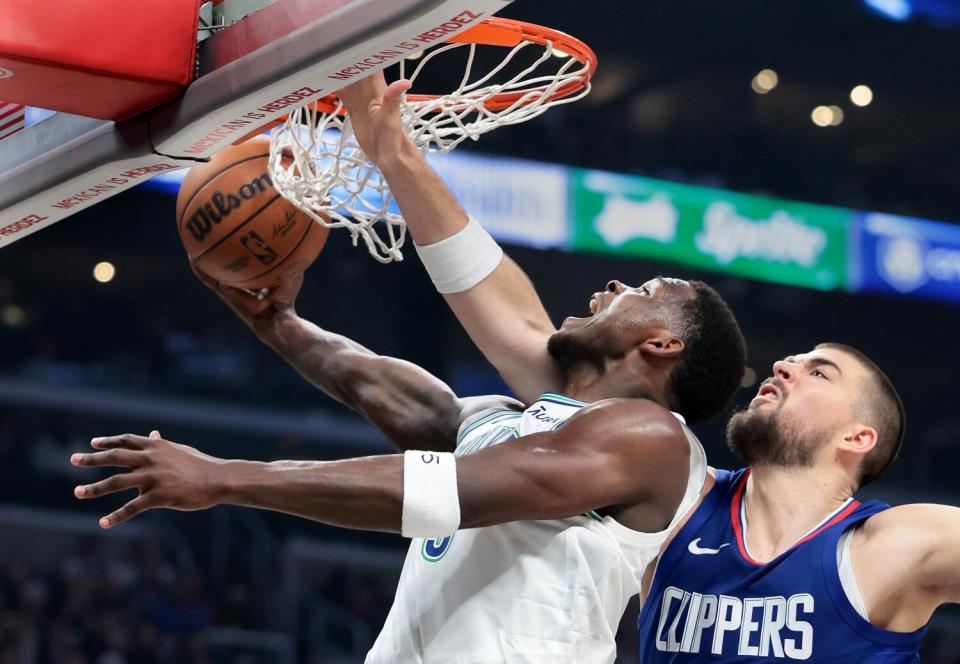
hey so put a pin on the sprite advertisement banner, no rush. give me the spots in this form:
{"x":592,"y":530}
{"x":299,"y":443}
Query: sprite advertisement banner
{"x":751,"y":236}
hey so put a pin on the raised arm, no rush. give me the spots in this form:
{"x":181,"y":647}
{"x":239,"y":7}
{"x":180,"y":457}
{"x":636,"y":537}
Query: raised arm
{"x":907,"y":563}
{"x":637,"y":447}
{"x":409,"y":405}
{"x":502,"y":313}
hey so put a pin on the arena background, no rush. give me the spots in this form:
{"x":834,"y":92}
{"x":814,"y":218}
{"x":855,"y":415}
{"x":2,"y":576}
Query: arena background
{"x":673,"y":103}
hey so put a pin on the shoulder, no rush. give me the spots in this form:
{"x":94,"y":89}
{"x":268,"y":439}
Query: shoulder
{"x":637,"y":427}
{"x":634,"y":417}
{"x":902,"y":520}
{"x":908,"y":536}
{"x":914,"y":526}
{"x":905,"y":559}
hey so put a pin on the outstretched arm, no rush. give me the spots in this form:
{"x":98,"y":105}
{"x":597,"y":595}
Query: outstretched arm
{"x":907,"y":563}
{"x":408,"y":404}
{"x":502,"y":314}
{"x":637,"y":449}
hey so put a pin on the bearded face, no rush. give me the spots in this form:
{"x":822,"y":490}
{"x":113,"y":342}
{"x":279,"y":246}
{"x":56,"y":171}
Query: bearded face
{"x":769,"y":437}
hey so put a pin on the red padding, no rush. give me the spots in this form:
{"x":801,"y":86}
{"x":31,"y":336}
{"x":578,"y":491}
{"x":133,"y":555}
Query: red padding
{"x":107,"y":59}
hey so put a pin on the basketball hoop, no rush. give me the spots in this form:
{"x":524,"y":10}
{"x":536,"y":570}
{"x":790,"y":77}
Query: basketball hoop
{"x":329,"y":174}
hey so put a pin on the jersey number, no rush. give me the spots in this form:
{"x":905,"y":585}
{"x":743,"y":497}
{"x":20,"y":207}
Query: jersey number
{"x":435,"y":549}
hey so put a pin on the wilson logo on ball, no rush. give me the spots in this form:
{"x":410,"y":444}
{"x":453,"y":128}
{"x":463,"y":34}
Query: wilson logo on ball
{"x":221,"y":205}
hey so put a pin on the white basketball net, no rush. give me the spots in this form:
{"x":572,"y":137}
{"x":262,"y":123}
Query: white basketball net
{"x":317,"y":165}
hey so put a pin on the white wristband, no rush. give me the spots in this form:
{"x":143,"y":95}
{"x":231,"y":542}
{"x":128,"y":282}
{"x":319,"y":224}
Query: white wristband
{"x":431,"y":504}
{"x":463,"y":260}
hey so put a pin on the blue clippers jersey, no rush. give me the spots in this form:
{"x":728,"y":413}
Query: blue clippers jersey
{"x":710,"y":602}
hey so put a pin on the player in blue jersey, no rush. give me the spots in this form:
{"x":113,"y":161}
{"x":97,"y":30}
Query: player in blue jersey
{"x":779,"y":560}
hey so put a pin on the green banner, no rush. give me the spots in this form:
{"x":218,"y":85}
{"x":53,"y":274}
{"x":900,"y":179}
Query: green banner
{"x":752,"y":236}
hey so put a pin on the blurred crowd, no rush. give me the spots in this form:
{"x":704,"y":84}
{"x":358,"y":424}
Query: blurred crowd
{"x":137,"y":605}
{"x":95,"y":608}
{"x":101,"y":605}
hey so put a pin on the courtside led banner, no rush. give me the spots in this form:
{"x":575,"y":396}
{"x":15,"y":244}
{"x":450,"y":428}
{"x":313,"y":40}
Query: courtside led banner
{"x":751,"y":236}
{"x":908,"y":256}
{"x":545,"y":205}
{"x":517,"y":201}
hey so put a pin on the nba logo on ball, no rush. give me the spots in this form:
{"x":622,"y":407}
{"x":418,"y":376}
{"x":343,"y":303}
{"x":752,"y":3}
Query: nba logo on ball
{"x":259,"y":249}
{"x":435,"y":549}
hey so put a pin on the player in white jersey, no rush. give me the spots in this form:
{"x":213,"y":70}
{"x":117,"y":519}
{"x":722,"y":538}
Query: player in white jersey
{"x":532,"y":533}
{"x":552,"y":511}
{"x":521,"y":591}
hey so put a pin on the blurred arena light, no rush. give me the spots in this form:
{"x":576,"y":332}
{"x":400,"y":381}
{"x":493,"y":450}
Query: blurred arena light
{"x":836,"y":115}
{"x":13,"y":315}
{"x":749,"y":377}
{"x":942,"y":13}
{"x":861,"y":95}
{"x":897,"y":10}
{"x":822,"y":116}
{"x":765,"y":81}
{"x":104,"y":272}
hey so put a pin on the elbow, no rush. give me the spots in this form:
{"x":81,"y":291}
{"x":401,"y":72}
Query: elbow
{"x":355,"y":380}
{"x":358,"y":382}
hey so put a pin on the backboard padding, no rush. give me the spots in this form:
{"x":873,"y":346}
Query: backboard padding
{"x":284,"y":54}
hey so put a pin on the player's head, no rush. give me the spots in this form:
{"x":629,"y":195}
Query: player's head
{"x":830,"y":406}
{"x":680,"y":332}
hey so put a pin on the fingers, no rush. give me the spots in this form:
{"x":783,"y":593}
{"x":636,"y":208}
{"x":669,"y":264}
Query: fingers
{"x":394,"y":94}
{"x":207,"y":280}
{"x":116,"y":457}
{"x":291,"y":282}
{"x":126,"y":441}
{"x":356,"y":95}
{"x":136,"y":506}
{"x":203,"y":276}
{"x":241,"y":301}
{"x":155,"y":435}
{"x":119,"y":482}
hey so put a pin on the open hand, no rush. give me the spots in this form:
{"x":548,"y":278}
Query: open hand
{"x":374,"y":111}
{"x":166,"y":474}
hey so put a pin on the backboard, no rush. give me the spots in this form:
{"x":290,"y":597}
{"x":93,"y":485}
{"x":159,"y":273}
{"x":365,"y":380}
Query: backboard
{"x":251,"y":74}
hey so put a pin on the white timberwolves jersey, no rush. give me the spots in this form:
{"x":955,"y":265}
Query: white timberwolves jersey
{"x":527,"y":591}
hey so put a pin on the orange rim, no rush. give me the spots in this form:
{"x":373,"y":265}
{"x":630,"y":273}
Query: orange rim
{"x":497,"y":32}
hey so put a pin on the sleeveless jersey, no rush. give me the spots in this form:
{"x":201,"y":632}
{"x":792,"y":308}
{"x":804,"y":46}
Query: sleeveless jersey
{"x":527,"y":591}
{"x":709,"y":601}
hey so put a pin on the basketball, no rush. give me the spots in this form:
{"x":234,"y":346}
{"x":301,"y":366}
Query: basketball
{"x":234,"y":225}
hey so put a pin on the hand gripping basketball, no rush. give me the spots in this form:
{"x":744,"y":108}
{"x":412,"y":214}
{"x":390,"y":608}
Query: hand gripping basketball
{"x":259,"y":309}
